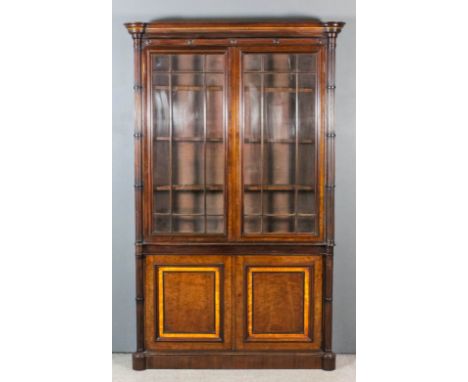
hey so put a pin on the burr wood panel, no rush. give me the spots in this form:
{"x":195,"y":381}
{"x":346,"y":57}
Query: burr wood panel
{"x":187,"y":302}
{"x":181,"y":316}
{"x":279,"y":302}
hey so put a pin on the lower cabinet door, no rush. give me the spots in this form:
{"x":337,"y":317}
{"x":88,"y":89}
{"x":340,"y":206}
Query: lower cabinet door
{"x":278,"y":302}
{"x":188,"y":302}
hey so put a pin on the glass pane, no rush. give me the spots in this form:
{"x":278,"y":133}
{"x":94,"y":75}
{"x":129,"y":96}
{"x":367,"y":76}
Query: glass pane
{"x":160,"y":79}
{"x":252,"y":99}
{"x":252,"y":62}
{"x":161,"y":201}
{"x":187,"y":105}
{"x":306,"y":165}
{"x":215,"y":63}
{"x":306,"y":116}
{"x":188,"y":224}
{"x":161,"y":63}
{"x":278,"y":202}
{"x":306,"y":81}
{"x":214,"y":163}
{"x":307,"y":62}
{"x":280,"y":110}
{"x":187,"y":163}
{"x":187,"y":62}
{"x":215,"y":224}
{"x":162,"y":223}
{"x":161,"y":174}
{"x":278,"y":224}
{"x":252,"y":224}
{"x":280,"y":62}
{"x":279,"y":129}
{"x":214,"y":203}
{"x":188,"y":202}
{"x":306,"y":202}
{"x":306,"y":224}
{"x":252,"y":164}
{"x":279,"y":160}
{"x":161,"y":113}
{"x":252,"y":203}
{"x":215,"y":114}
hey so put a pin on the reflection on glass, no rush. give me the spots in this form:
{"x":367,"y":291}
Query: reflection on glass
{"x":279,"y":159}
{"x":161,"y":174}
{"x":278,"y":202}
{"x":252,"y":224}
{"x":214,"y":203}
{"x":161,"y":112}
{"x":161,"y":202}
{"x":278,"y":224}
{"x":252,"y":164}
{"x":215,"y":224}
{"x":214,"y":163}
{"x":161,"y":223}
{"x":188,"y":224}
{"x":252,"y":205}
{"x":188,"y":202}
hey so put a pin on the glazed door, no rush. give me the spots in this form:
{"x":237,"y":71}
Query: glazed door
{"x":282,"y":143}
{"x":278,"y":302}
{"x":188,"y":302}
{"x":186,"y":123}
{"x":268,"y":101}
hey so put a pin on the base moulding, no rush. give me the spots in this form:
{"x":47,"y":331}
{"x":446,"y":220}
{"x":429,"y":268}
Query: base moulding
{"x":233,"y":360}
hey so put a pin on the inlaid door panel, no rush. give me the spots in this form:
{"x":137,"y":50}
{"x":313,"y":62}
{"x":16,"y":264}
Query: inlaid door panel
{"x":188,"y":302}
{"x":279,"y":302}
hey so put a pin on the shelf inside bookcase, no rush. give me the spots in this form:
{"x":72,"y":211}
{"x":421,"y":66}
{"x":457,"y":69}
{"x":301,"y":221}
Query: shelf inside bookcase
{"x":278,"y":187}
{"x":190,"y":187}
{"x":189,"y":139}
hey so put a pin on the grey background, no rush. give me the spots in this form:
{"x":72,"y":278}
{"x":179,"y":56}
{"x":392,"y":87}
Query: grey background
{"x":123,"y":302}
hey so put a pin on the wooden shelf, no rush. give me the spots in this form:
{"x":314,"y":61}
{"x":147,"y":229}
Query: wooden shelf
{"x":278,"y":72}
{"x":186,"y":214}
{"x":279,"y":187}
{"x":281,"y":89}
{"x":188,"y":87}
{"x":167,"y":72}
{"x":302,"y":141}
{"x":183,"y":187}
{"x":280,"y":215}
{"x":189,"y":139}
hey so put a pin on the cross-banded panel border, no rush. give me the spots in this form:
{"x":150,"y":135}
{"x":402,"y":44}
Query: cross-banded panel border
{"x":251,"y":334}
{"x":162,"y":333}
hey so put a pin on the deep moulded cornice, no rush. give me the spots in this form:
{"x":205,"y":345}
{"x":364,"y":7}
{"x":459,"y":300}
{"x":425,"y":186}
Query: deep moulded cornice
{"x":233,"y":28}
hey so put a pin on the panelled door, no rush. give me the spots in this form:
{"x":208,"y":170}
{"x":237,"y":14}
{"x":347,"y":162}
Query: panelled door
{"x":278,"y":302}
{"x":188,"y":302}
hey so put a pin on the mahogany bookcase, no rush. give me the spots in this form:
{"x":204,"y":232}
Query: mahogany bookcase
{"x":234,"y":191}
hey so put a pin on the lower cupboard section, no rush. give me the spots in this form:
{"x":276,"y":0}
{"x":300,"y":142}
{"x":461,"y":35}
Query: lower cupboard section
{"x":242,"y":303}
